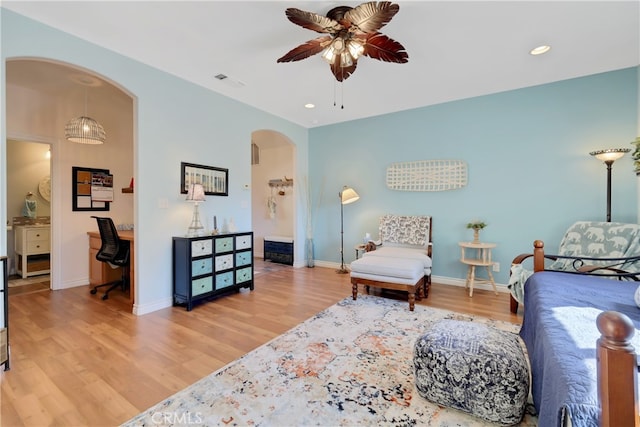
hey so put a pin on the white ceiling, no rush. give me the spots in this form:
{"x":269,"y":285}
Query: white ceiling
{"x":456,"y":49}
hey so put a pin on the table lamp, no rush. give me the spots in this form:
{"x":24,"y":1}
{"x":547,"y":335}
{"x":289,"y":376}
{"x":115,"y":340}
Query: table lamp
{"x":195,"y":194}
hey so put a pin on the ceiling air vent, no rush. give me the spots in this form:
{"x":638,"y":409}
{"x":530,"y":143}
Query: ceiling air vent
{"x":229,"y":80}
{"x":255,"y":154}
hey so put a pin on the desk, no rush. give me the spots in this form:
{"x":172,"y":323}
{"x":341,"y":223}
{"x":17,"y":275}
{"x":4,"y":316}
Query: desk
{"x":100,"y":272}
{"x":480,"y":257}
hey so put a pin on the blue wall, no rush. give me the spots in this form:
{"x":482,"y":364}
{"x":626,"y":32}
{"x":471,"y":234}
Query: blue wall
{"x":175,"y":121}
{"x":530,"y":172}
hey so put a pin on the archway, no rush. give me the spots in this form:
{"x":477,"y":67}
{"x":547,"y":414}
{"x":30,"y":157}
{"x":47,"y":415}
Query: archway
{"x":274,"y":189}
{"x":42,"y":96}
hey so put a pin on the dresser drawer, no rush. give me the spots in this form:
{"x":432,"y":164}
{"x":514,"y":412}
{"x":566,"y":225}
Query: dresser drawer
{"x":224,"y":262}
{"x":243,"y":242}
{"x":38,"y":235}
{"x":202,"y":286}
{"x":201,"y":266}
{"x":201,"y":247}
{"x":243,"y":275}
{"x":38,"y":247}
{"x":224,"y":244}
{"x":243,"y":258}
{"x":224,"y":280}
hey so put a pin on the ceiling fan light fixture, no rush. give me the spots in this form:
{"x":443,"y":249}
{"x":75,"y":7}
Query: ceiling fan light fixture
{"x":349,"y":33}
{"x":355,"y":48}
{"x":329,"y":55}
{"x":345,"y":59}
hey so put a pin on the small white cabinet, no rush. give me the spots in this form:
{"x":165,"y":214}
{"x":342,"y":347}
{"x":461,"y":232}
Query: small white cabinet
{"x":32,"y":249}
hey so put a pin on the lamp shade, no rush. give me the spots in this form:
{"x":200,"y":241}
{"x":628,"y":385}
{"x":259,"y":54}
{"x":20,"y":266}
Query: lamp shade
{"x":610,"y":154}
{"x":195,"y":193}
{"x":348,"y":195}
{"x":85,"y":130}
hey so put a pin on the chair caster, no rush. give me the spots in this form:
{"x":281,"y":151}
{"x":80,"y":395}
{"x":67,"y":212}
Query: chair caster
{"x":94,"y":291}
{"x":105,"y":297}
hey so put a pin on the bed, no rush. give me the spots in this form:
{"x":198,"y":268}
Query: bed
{"x":581,"y":377}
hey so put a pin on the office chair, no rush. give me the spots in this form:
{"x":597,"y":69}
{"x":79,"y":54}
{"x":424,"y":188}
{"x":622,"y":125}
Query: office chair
{"x":113,"y":251}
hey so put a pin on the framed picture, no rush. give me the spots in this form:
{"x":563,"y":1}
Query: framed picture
{"x":214,"y":180}
{"x":92,"y":189}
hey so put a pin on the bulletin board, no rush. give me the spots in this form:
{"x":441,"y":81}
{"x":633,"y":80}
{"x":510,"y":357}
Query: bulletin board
{"x":92,"y":189}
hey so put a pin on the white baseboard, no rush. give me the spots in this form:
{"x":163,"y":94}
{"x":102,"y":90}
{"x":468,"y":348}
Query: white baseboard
{"x":442,"y":280}
{"x":141,"y":309}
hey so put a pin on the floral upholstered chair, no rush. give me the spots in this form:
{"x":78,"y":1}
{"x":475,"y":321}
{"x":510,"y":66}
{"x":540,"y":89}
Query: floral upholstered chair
{"x":597,"y":245}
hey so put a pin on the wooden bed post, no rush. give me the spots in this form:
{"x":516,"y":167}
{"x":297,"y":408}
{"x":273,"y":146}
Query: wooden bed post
{"x":538,"y":255}
{"x":616,"y":361}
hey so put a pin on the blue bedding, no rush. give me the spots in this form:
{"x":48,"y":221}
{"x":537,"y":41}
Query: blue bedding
{"x":560,"y":333}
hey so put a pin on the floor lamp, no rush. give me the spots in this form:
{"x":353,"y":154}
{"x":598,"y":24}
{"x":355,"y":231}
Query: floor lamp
{"x":609,"y":156}
{"x":347,"y":195}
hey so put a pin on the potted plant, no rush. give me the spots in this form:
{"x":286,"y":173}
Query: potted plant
{"x":636,"y":155}
{"x":476,"y":225}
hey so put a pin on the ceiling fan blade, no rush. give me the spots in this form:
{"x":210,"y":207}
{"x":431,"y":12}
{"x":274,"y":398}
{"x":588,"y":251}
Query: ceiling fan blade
{"x":342,"y":73}
{"x":380,"y":47}
{"x":371,"y":16}
{"x":313,"y":21}
{"x":306,"y":50}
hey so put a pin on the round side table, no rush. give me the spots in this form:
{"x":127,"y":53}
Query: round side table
{"x":478,"y":255}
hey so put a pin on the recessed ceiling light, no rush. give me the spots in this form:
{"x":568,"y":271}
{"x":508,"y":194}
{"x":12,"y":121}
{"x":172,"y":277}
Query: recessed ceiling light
{"x":540,"y":50}
{"x":309,"y":106}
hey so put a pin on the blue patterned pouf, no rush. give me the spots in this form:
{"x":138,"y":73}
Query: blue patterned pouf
{"x":474,"y":368}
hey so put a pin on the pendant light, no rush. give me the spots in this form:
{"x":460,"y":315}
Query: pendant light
{"x":84,"y":129}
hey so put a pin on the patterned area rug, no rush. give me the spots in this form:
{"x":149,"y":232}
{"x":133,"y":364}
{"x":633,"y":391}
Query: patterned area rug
{"x":351,"y":364}
{"x":16,"y":281}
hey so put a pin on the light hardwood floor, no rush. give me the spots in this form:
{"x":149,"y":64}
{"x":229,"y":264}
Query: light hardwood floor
{"x":79,"y":361}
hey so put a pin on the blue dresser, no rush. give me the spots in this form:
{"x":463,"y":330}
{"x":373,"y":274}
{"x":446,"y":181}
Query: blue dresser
{"x":208,"y":266}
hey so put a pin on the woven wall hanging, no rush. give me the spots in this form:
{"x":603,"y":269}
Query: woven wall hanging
{"x":427,"y":175}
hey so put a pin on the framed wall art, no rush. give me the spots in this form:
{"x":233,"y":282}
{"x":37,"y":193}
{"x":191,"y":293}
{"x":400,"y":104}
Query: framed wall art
{"x":214,"y":180}
{"x":427,"y":175}
{"x":92,"y":189}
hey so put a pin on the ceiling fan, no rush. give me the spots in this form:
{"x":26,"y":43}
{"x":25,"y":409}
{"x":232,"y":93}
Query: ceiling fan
{"x":352,"y":32}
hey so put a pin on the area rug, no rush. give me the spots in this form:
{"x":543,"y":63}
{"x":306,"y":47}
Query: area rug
{"x":351,"y":364}
{"x":16,"y":281}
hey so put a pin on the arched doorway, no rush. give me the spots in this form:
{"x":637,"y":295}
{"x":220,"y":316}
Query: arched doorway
{"x":42,"y":96}
{"x":274,"y":189}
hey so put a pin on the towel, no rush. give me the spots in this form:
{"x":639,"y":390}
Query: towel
{"x":29,"y":209}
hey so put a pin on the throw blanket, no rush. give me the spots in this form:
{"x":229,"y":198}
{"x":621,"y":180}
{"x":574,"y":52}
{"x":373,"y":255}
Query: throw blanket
{"x":560,"y":332}
{"x":588,"y":239}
